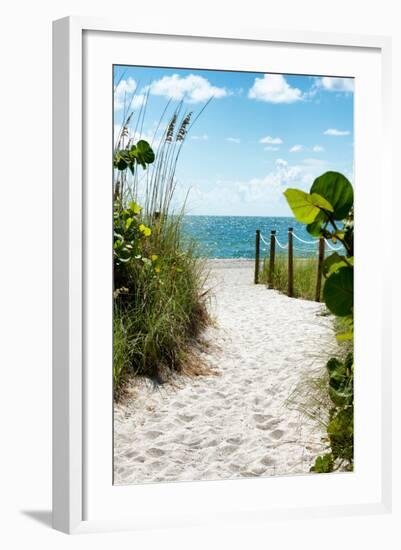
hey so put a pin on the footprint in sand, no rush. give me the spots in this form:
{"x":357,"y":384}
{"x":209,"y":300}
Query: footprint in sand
{"x":156,"y":452}
{"x":211,"y":443}
{"x":248,"y":473}
{"x":179,"y":439}
{"x":178,"y":405}
{"x":277,"y":434}
{"x":234,"y":440}
{"x":186,"y":417}
{"x":194,"y":443}
{"x":262,"y":417}
{"x":220,"y":395}
{"x":258,"y":470}
{"x":131,"y":454}
{"x":264,"y":427}
{"x":153,"y":434}
{"x":156,"y":464}
{"x":267,"y":461}
{"x":228,"y":449}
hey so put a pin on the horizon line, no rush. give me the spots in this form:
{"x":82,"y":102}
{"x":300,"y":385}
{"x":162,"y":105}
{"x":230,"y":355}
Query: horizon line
{"x":239,"y":215}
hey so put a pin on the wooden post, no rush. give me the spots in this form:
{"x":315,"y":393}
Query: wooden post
{"x":257,"y":255}
{"x":290,"y":264}
{"x":319,"y":269}
{"x":272,"y":257}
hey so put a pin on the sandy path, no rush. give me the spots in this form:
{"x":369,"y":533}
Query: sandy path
{"x":236,"y":424}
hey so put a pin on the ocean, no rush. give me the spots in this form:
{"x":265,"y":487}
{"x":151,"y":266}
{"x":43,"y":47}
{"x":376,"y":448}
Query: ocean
{"x":234,"y":236}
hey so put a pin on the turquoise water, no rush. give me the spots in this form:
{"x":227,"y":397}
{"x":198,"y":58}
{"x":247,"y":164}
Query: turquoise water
{"x":234,"y":236}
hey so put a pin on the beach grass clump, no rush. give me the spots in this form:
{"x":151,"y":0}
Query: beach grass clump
{"x":160,"y":301}
{"x":160,"y":309}
{"x":305,"y":273}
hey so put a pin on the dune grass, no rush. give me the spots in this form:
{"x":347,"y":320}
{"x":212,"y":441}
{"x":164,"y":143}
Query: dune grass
{"x":305,"y":270}
{"x":159,"y":314}
{"x":311,"y":398}
{"x":160,"y":301}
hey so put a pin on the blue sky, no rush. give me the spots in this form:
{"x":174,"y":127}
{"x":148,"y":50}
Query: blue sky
{"x":260,"y":134}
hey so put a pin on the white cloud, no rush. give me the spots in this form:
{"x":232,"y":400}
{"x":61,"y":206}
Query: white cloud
{"x":271,"y":148}
{"x":233,"y":140}
{"x":203,"y":137}
{"x":274,"y":88}
{"x":257,"y":196}
{"x":138,"y":101}
{"x":125,"y":95}
{"x":191,"y":88}
{"x":334,"y":84}
{"x":314,"y":163}
{"x":335,"y":132}
{"x":299,"y":148}
{"x":271,"y":140}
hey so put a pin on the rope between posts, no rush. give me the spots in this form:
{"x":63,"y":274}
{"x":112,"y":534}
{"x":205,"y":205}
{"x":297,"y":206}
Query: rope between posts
{"x":332,"y":247}
{"x":303,"y":241}
{"x":284,"y":246}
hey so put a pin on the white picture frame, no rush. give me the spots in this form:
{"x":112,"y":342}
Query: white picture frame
{"x":70,"y":425}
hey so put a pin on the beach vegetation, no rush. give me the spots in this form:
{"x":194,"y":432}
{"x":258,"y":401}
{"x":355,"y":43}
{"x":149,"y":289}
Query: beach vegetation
{"x":159,"y":296}
{"x":329,"y":202}
{"x":304,"y":275}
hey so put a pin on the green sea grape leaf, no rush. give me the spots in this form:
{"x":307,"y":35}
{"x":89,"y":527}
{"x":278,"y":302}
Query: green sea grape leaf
{"x":134,"y":207}
{"x":349,"y":362}
{"x":337,"y":190}
{"x":119,"y":162}
{"x":128,"y":223}
{"x":338,"y":292}
{"x":345,"y":336}
{"x":143,"y":153}
{"x":333,"y":263}
{"x":315,"y":228}
{"x":122,"y":159}
{"x":342,"y":424}
{"x":333,"y":364}
{"x":306,"y":207}
{"x":341,"y":397}
{"x":323,"y":464}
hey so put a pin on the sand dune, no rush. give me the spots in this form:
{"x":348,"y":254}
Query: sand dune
{"x":235,"y":424}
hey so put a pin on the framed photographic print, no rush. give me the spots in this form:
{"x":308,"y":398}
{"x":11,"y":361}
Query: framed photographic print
{"x":215,"y":356}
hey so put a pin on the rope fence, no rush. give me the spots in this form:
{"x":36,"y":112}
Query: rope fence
{"x":303,"y":240}
{"x":283,"y":246}
{"x":289,"y":246}
{"x":315,"y":241}
{"x":264,"y":241}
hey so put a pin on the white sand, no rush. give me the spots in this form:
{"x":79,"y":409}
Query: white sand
{"x":238,"y":423}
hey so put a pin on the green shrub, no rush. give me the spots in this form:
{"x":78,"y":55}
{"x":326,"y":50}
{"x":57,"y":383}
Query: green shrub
{"x":330,"y":201}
